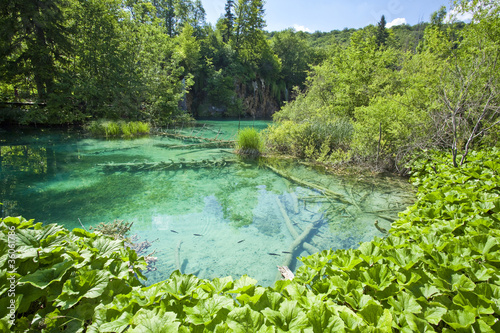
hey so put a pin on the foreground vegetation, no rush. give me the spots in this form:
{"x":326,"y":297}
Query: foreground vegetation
{"x":437,"y":271}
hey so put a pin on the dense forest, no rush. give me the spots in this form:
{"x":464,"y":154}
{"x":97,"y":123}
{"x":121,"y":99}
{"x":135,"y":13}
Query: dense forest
{"x":156,"y":60}
{"x":373,"y":94}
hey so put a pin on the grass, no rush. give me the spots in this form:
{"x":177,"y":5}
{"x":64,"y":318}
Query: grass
{"x":109,"y":128}
{"x":249,"y":142}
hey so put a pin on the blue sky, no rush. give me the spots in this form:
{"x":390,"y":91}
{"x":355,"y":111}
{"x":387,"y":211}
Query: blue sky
{"x":327,"y":15}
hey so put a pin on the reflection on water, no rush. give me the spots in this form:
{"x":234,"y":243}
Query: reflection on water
{"x":213,"y":213}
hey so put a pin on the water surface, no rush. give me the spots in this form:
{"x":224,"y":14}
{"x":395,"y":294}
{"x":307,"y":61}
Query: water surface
{"x":208,"y":211}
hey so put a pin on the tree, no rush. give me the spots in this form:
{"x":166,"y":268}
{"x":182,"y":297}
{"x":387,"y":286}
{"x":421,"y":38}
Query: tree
{"x":469,"y":86}
{"x":176,"y":13}
{"x":295,"y":55}
{"x":382,"y":33}
{"x":35,"y":41}
{"x":437,"y":18}
{"x":228,"y":20}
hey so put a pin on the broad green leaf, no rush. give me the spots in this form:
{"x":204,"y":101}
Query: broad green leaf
{"x":219,"y":285}
{"x":405,"y":303}
{"x":416,"y":324}
{"x":406,"y":258}
{"x":480,"y":272}
{"x":206,"y":310}
{"x":461,"y":282}
{"x":484,"y":244}
{"x":117,"y":325}
{"x":244,"y":319}
{"x":472,"y":303}
{"x":346,"y":260}
{"x":44,"y":277}
{"x":270,"y":299}
{"x":243,"y":284}
{"x":377,"y":277}
{"x":370,"y":253}
{"x":295,"y":290}
{"x":289,"y":317}
{"x":323,"y":319}
{"x":429,"y":290}
{"x":106,"y":246}
{"x":371,"y":313}
{"x":181,"y":286}
{"x":253,"y":297}
{"x":350,"y":319}
{"x":88,"y":284}
{"x":154,"y":321}
{"x":434,"y":313}
{"x":459,"y":318}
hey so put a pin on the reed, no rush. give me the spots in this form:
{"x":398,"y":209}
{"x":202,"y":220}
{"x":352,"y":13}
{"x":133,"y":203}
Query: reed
{"x":249,"y":142}
{"x":109,"y":128}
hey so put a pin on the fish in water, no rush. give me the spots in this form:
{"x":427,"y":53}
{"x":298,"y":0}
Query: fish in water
{"x":197,"y":235}
{"x":241,"y":241}
{"x":173,"y":231}
{"x":273,"y":254}
{"x":286,"y":252}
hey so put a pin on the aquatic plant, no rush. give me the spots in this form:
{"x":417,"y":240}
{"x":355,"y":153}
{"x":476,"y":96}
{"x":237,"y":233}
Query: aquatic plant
{"x":110,"y":128}
{"x":249,"y":142}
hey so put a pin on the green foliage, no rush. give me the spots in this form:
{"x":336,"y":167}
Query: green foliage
{"x":314,"y":140}
{"x":249,"y":142}
{"x":441,"y":95}
{"x":437,"y":271}
{"x":61,"y":278}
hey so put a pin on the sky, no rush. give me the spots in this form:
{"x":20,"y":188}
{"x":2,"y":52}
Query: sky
{"x":328,"y":15}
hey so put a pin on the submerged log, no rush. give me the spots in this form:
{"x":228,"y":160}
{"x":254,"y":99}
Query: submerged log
{"x":296,"y":243}
{"x":178,"y":257}
{"x":302,"y":182}
{"x":211,"y":144}
{"x":286,"y":273}
{"x":188,"y":137}
{"x":308,"y":247}
{"x":157,"y":166}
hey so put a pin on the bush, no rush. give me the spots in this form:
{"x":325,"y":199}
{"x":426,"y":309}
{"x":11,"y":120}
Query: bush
{"x":310,"y":139}
{"x":249,"y":142}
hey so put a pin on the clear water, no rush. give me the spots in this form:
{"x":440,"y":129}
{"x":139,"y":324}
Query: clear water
{"x":208,"y":211}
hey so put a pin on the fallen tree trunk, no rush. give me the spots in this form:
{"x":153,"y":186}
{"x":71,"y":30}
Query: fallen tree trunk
{"x":178,"y":256}
{"x":286,"y":273}
{"x":308,"y":247}
{"x":187,"y":137}
{"x":296,"y":243}
{"x":323,"y":190}
{"x":156,"y":166}
{"x":211,"y":144}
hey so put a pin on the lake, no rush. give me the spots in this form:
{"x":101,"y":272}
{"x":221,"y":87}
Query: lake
{"x":206,"y":210}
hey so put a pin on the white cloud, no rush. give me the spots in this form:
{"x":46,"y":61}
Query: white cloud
{"x":396,"y":21}
{"x":454,"y":15}
{"x":301,"y":28}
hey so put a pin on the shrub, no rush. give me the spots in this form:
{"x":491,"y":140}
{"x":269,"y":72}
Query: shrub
{"x":310,"y":139}
{"x":249,"y":142}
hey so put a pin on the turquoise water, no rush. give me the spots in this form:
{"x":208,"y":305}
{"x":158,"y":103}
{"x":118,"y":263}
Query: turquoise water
{"x":208,"y":211}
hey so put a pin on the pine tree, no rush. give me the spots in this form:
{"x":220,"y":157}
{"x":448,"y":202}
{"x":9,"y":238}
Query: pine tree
{"x":382,"y":33}
{"x":229,"y":20}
